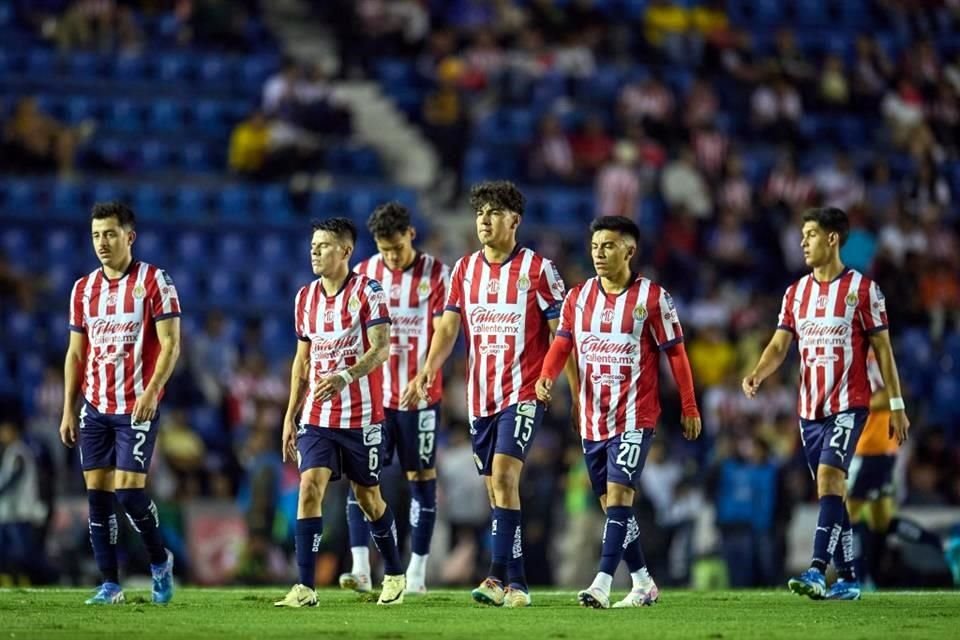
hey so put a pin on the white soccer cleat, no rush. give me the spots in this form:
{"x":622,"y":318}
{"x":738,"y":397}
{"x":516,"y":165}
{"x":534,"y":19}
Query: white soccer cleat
{"x":594,"y":598}
{"x":358,"y":582}
{"x":516,"y":598}
{"x":639,"y":597}
{"x":392,"y":591}
{"x":299,"y":596}
{"x":489,"y":592}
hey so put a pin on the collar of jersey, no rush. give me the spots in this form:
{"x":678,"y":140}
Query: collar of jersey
{"x":413,"y":263}
{"x":842,"y":273}
{"x":343,"y":286}
{"x":634,"y":276}
{"x":510,"y":257}
{"x":130,"y":267}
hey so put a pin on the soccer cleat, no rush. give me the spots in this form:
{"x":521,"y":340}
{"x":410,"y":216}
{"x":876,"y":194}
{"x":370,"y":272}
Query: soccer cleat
{"x":392,"y":591}
{"x":810,"y":583}
{"x":163,"y":580}
{"x":299,"y":596}
{"x":594,"y":598}
{"x":489,"y":592}
{"x":639,"y":597}
{"x":356,"y":581}
{"x":107,"y":593}
{"x":844,"y":590}
{"x":415,"y":588}
{"x":952,"y":555}
{"x":516,"y":598}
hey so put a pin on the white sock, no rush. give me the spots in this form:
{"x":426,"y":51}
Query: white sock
{"x":641,"y":579}
{"x":361,"y":561}
{"x":603,"y":581}
{"x":417,"y":570}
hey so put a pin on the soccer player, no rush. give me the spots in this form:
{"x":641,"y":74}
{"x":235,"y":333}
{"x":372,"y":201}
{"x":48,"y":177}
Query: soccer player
{"x":619,"y":322}
{"x":124,"y":343}
{"x":336,"y":387}
{"x":870,"y":499}
{"x":837,"y":314}
{"x":507,"y":298}
{"x":416,"y":287}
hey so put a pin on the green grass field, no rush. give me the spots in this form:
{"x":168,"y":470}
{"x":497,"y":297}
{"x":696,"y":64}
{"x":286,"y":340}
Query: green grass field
{"x":247,"y":613}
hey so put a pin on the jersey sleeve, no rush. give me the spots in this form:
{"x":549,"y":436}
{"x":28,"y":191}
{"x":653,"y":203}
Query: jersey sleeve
{"x":455,"y":296}
{"x":77,"y":321}
{"x":300,"y":315}
{"x":440,"y":291}
{"x":873,"y":310}
{"x":165,"y":303}
{"x":568,"y":314}
{"x":786,"y":320}
{"x":375,"y":310}
{"x":550,"y":290}
{"x":664,"y":323}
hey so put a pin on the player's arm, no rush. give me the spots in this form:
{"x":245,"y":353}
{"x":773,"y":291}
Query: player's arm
{"x":899,"y":423}
{"x":168,"y":334}
{"x":441,"y":346}
{"x":72,"y":370}
{"x":379,"y":336}
{"x":299,"y":382}
{"x":683,"y":376}
{"x":770,"y":360}
{"x":569,"y":367}
{"x":558,"y":357}
{"x":880,"y":400}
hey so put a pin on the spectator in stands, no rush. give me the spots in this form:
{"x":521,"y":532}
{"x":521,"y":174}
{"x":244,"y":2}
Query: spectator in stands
{"x":776,"y":109}
{"x":903,"y":108}
{"x":98,"y":24}
{"x":709,"y":28}
{"x":446,"y":121}
{"x":701,"y":106}
{"x":551,"y":158}
{"x":881,"y":195}
{"x":665,"y":27}
{"x":526,"y":63}
{"x":280,"y":91}
{"x":592,"y":146}
{"x":834,"y":86}
{"x":618,"y":186}
{"x":789,"y":63}
{"x":34,"y":142}
{"x":735,"y":193}
{"x":682,"y":185}
{"x":213,"y":356}
{"x":650,"y":103}
{"x":484,"y":59}
{"x":21,"y":509}
{"x":872,"y":73}
{"x":787,"y":187}
{"x":729,"y":245}
{"x":927,"y":193}
{"x":249,"y":147}
{"x":16,"y":288}
{"x":710,"y":146}
{"x":839,"y":184}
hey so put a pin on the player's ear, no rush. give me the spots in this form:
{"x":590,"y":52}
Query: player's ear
{"x":413,"y":233}
{"x":131,"y":236}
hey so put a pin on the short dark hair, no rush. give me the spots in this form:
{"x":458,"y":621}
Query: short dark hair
{"x":830,"y":219}
{"x":114,"y":209}
{"x":343,"y":228}
{"x":388,"y":219}
{"x":620,"y":224}
{"x":501,"y":194}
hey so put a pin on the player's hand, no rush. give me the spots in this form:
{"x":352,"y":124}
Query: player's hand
{"x":328,"y":387}
{"x":543,"y":390}
{"x":145,"y":408}
{"x":750,"y":385}
{"x":288,"y":441}
{"x":691,"y":427}
{"x":899,"y":425}
{"x":68,"y":429}
{"x":418,"y":389}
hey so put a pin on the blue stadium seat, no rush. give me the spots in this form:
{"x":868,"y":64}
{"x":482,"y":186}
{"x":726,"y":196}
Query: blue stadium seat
{"x":602,"y":87}
{"x":568,"y":208}
{"x":208,"y":424}
{"x":82,"y":64}
{"x":361,"y":204}
{"x":148,"y":201}
{"x":127,"y":67}
{"x":233,"y":202}
{"x":214,"y":70}
{"x":188,"y":289}
{"x":41,"y":63}
{"x":151,"y":246}
{"x":254,"y":70}
{"x":273,"y":203}
{"x":327,"y":203}
{"x":195,"y":156}
{"x":20,"y":328}
{"x":233,"y":251}
{"x":15,"y":242}
{"x":21,"y":198}
{"x":124,"y":115}
{"x":106,"y":192}
{"x":61,"y":242}
{"x":79,"y":108}
{"x":66,"y":199}
{"x":209,"y":116}
{"x":173,"y":67}
{"x":224,"y":286}
{"x":263,"y":285}
{"x":115,"y":151}
{"x":273,"y":250}
{"x":192,"y":246}
{"x":154,"y":155}
{"x":165,"y":116}
{"x":190,"y":203}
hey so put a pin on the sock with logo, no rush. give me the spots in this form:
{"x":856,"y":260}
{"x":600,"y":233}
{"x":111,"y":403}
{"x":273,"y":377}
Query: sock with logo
{"x":614,"y":536}
{"x":142,"y":514}
{"x":845,"y":559}
{"x":508,"y":548}
{"x":423,"y":516}
{"x":384,"y":533}
{"x":633,"y":556}
{"x":309,"y":535}
{"x":102,"y":522}
{"x":827,"y":535}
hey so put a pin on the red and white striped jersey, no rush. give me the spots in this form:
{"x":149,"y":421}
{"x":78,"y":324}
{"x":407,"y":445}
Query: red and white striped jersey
{"x":504,"y":309}
{"x":119,"y":318}
{"x":618,"y":340}
{"x":832,"y":322}
{"x":336,"y":327}
{"x":415,"y":297}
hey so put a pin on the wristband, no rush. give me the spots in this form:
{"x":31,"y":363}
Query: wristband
{"x":896,"y":404}
{"x":346,"y":376}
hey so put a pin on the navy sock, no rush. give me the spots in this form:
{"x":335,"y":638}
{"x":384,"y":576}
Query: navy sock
{"x":846,"y":560}
{"x":508,"y":547}
{"x":911,"y":531}
{"x":499,"y":546}
{"x":142,"y":514}
{"x":828,"y":531}
{"x":103,"y":533}
{"x":423,"y":515}
{"x":358,"y":529}
{"x":632,"y":550}
{"x":309,"y":535}
{"x":384,"y":533}
{"x":614,"y":535}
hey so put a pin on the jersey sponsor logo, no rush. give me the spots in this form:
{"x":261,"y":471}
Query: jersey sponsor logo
{"x":139,"y":292}
{"x":406,"y":324}
{"x":400,"y":349}
{"x":633,"y":437}
{"x":640,"y":313}
{"x":110,"y":357}
{"x":557,"y":285}
{"x":378,"y":297}
{"x":484,"y":320}
{"x":821,"y":360}
{"x":823,"y":332}
{"x":607,"y":379}
{"x":372,"y":435}
{"x":852,"y":299}
{"x":424,"y":289}
{"x":597,"y":350}
{"x":103,"y":332}
{"x":493,"y":349}
{"x":881,"y":303}
{"x":523,"y":283}
{"x":343,"y":347}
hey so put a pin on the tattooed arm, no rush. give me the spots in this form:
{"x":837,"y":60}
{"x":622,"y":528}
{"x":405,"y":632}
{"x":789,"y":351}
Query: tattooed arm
{"x":375,"y":356}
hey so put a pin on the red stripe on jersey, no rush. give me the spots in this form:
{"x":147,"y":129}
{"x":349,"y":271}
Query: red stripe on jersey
{"x":832,"y":403}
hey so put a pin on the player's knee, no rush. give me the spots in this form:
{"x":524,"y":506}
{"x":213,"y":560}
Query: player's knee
{"x":99,"y":479}
{"x":311,"y":494}
{"x":370,"y":501}
{"x":831,"y":481}
{"x":420,"y":476}
{"x":504,"y":484}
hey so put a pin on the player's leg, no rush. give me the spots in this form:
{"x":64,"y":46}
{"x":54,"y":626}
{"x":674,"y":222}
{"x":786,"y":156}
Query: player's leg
{"x":416,"y":444}
{"x":135,"y":444}
{"x":483,"y":433}
{"x":362,"y":458}
{"x":95,"y":444}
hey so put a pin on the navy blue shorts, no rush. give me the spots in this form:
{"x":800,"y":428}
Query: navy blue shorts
{"x":832,"y":440}
{"x":619,"y":459}
{"x":413,"y":435}
{"x":871,"y":477}
{"x":509,"y":432}
{"x":112,"y":441}
{"x":354,"y":452}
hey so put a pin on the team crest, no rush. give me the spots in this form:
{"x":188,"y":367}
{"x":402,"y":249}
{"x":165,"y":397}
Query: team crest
{"x":640,"y":313}
{"x":523,"y":284}
{"x":852,"y":299}
{"x":354,"y":305}
{"x":139,"y":292}
{"x":493,"y":287}
{"x":424,"y":289}
{"x":607,"y":316}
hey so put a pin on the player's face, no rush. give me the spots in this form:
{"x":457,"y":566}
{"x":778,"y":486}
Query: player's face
{"x":818,"y":244}
{"x":496,"y":227}
{"x":611,"y":252}
{"x":328,"y":253}
{"x":397,"y":250}
{"x":111,"y":242}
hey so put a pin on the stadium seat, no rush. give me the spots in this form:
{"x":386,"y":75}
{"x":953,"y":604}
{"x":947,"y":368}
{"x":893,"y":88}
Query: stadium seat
{"x":272,"y":203}
{"x":209,"y":116}
{"x":361,"y":204}
{"x":233,"y":251}
{"x":66,"y":199}
{"x":233,"y":202}
{"x":124,"y":115}
{"x":154,"y":155}
{"x":214,"y":70}
{"x":190,"y":203}
{"x":128,"y":67}
{"x":20,"y":198}
{"x":82,"y":64}
{"x":106,"y":192}
{"x":263,"y":286}
{"x":225,"y":288}
{"x":165,"y":116}
{"x":188,"y":289}
{"x":173,"y":67}
{"x":15,"y":242}
{"x":192,"y":247}
{"x":41,"y":63}
{"x":79,"y":108}
{"x":148,"y":202}
{"x":151,"y":246}
{"x":195,"y":157}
